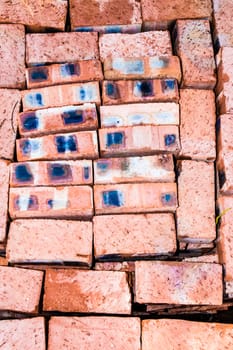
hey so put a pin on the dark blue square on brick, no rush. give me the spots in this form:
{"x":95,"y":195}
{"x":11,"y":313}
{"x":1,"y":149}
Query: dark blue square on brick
{"x":112,"y":198}
{"x":115,"y":138}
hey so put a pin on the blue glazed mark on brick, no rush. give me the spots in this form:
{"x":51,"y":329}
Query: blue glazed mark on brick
{"x":128,"y":67}
{"x":168,"y":84}
{"x":50,"y":203}
{"x":114,"y":138}
{"x":158,"y":62}
{"x":86,"y":173}
{"x":222,"y":178}
{"x":34,"y":99}
{"x":66,"y":143}
{"x":72,"y":117}
{"x":28,"y":146}
{"x":30,"y":121}
{"x":169,"y":139}
{"x":70,"y":69}
{"x":84,"y":29}
{"x":38,"y":74}
{"x":113,"y":198}
{"x":168,"y":198}
{"x":218,"y":125}
{"x":23,"y":203}
{"x":103,"y":165}
{"x":113,"y":29}
{"x":23,"y":173}
{"x":59,"y":171}
{"x":86,"y":93}
{"x":143,"y":88}
{"x":33,"y":203}
{"x":111,"y":90}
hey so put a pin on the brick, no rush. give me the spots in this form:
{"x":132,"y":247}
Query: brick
{"x":58,"y":173}
{"x":60,"y":119}
{"x":208,"y":258}
{"x":157,"y":168}
{"x":225,"y":77}
{"x":139,"y":114}
{"x":86,"y":291}
{"x":167,"y":334}
{"x":4,"y":185}
{"x":36,"y":16}
{"x":50,"y":241}
{"x":141,"y":67}
{"x":129,"y":91}
{"x":12,"y":71}
{"x":124,"y":266}
{"x":60,"y":95}
{"x":139,"y":140}
{"x":61,"y":47}
{"x":132,"y":45}
{"x":106,"y":17}
{"x":24,"y":334}
{"x":223,"y":27}
{"x":94,"y":333}
{"x":197,"y":132}
{"x":159,"y":282}
{"x":196,"y":211}
{"x":51,"y":202}
{"x":194,"y":46}
{"x":55,"y":74}
{"x":160,"y":15}
{"x":135,"y":198}
{"x":77,"y":145}
{"x":20,"y":289}
{"x":9,"y":108}
{"x":134,"y":235}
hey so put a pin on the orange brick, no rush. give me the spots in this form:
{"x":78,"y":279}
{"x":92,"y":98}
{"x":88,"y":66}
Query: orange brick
{"x":139,"y":140}
{"x":77,"y":145}
{"x":223,"y":26}
{"x":55,"y":74}
{"x":24,"y":334}
{"x":194,"y":46}
{"x":20,"y":289}
{"x":135,"y":198}
{"x":60,"y":119}
{"x":51,"y":202}
{"x":159,"y":282}
{"x":185,"y":335}
{"x":60,"y":95}
{"x":61,"y":47}
{"x":106,"y":17}
{"x":197,"y":132}
{"x":132,"y":45}
{"x":225,"y":76}
{"x":58,"y":173}
{"x":4,"y":185}
{"x":124,"y":266}
{"x":196,"y":211}
{"x":141,"y":67}
{"x":86,"y":291}
{"x":94,"y":333}
{"x":50,"y":241}
{"x":134,"y":235}
{"x":157,"y":168}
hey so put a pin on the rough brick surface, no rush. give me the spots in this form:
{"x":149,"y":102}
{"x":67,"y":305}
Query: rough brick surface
{"x":87,"y":291}
{"x":4,"y":185}
{"x":125,"y":266}
{"x":223,"y":26}
{"x":225,"y":82}
{"x":20,"y":289}
{"x":178,"y":283}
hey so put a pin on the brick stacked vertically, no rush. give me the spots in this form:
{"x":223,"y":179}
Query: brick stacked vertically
{"x":4,"y":186}
{"x":223,"y":27}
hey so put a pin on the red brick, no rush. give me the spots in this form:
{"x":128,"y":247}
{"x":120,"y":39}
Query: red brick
{"x":135,"y":198}
{"x":73,"y":72}
{"x":134,"y":235}
{"x":196,"y":211}
{"x":208,"y":258}
{"x":77,"y":145}
{"x":9,"y":108}
{"x":24,"y":334}
{"x":185,"y":335}
{"x":125,"y":266}
{"x":51,"y":202}
{"x":88,"y":333}
{"x":60,"y":95}
{"x":139,"y":140}
{"x":197,"y":132}
{"x":225,"y":76}
{"x":12,"y":43}
{"x":4,"y":185}
{"x":132,"y":45}
{"x":87,"y":291}
{"x":58,"y":173}
{"x":61,"y":47}
{"x":50,"y":241}
{"x":159,"y":282}
{"x":141,"y":67}
{"x":139,"y":114}
{"x":106,"y":16}
{"x":20,"y":289}
{"x":38,"y":16}
{"x":60,"y":119}
{"x":157,"y":168}
{"x":194,"y":46}
{"x":223,"y":26}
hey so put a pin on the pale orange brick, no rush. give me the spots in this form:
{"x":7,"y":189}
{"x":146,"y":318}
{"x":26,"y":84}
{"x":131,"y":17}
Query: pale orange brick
{"x":50,"y":241}
{"x":194,"y":46}
{"x":223,"y":26}
{"x":77,"y":145}
{"x":4,"y":186}
{"x":89,"y":333}
{"x":87,"y":291}
{"x":20,"y":289}
{"x":61,"y":47}
{"x":51,"y":202}
{"x":225,"y":78}
{"x":159,"y":282}
{"x":124,"y":266}
{"x":134,"y":235}
{"x":135,"y":198}
{"x":196,"y":211}
{"x":197,"y":127}
{"x":27,"y":334}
